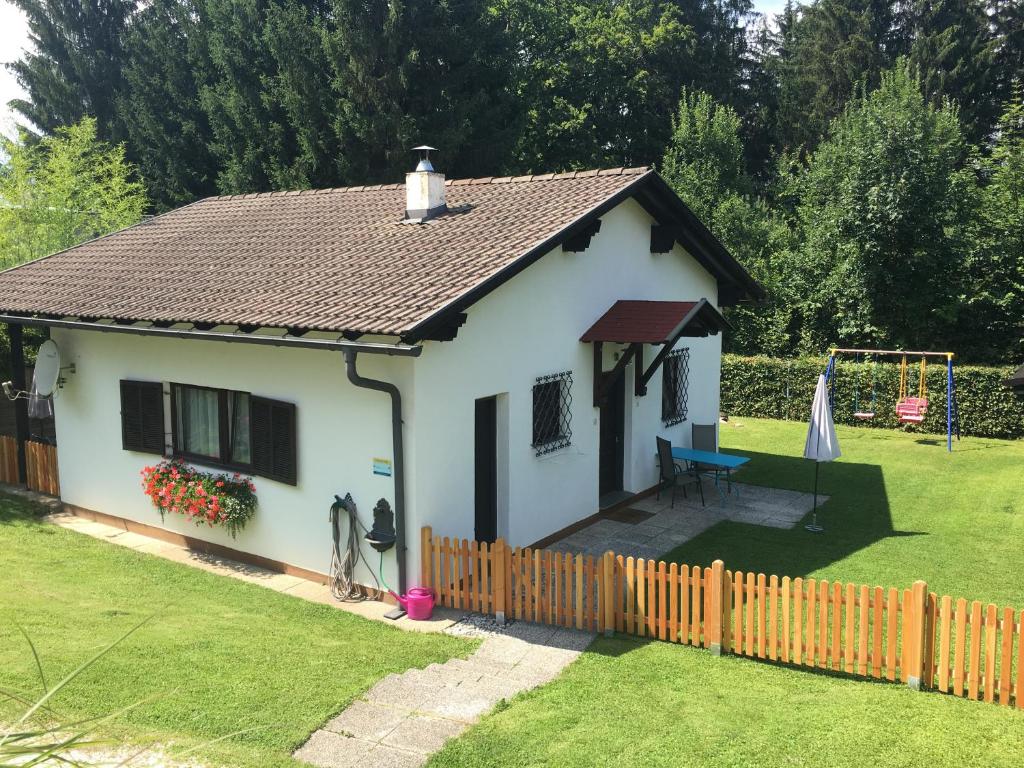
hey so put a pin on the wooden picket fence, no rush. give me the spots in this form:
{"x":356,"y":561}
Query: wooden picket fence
{"x":40,"y":461}
{"x":910,"y":635}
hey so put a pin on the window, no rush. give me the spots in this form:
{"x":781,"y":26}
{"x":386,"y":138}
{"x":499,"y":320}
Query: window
{"x":675,"y":381}
{"x":142,"y":416}
{"x":552,"y":412}
{"x":235,"y":430}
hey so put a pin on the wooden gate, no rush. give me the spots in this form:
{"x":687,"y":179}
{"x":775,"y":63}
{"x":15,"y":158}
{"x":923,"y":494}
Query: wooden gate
{"x":41,"y":463}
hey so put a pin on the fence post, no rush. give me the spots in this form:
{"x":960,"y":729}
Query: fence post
{"x":426,"y":533}
{"x":713,"y":623}
{"x":498,"y":578}
{"x":915,"y":641}
{"x":607,"y":594}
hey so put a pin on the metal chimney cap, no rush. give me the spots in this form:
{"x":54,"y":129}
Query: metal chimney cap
{"x":424,"y":163}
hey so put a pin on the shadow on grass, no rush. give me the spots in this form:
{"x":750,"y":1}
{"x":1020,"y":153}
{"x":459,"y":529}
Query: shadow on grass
{"x":856,"y":516}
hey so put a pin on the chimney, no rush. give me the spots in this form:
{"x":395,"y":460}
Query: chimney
{"x":424,"y":189}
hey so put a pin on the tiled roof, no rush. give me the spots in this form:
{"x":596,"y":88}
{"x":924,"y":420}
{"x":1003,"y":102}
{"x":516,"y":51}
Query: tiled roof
{"x":654,"y":322}
{"x":331,"y":259}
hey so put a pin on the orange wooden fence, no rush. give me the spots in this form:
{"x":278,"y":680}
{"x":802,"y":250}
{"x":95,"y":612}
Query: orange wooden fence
{"x":40,"y":460}
{"x":8,"y":460}
{"x":910,"y":635}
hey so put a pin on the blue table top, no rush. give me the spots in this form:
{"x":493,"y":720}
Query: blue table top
{"x":726,"y":460}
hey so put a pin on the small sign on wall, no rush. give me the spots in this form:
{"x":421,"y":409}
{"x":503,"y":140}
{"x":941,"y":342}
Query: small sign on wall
{"x":382,"y":467}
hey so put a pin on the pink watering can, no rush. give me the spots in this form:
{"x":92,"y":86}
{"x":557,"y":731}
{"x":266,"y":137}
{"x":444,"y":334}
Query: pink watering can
{"x":418,"y":602}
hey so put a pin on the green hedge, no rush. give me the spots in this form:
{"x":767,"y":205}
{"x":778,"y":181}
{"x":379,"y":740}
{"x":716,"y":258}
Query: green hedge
{"x":777,"y":388}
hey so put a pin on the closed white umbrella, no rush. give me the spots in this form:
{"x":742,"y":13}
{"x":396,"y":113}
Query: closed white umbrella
{"x":822,"y":444}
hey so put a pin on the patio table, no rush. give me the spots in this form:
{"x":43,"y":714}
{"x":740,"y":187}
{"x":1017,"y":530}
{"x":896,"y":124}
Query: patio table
{"x":726,"y":461}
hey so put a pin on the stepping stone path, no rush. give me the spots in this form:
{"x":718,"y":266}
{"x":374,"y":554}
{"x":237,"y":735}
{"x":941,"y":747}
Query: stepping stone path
{"x":407,"y":717}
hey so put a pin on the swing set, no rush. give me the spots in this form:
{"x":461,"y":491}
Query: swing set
{"x":911,"y":407}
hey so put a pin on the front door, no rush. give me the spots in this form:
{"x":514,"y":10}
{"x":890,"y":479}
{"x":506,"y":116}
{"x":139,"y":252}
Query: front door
{"x":486,"y":469}
{"x":613,"y":430}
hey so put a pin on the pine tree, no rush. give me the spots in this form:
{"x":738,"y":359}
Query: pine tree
{"x":166,"y":130}
{"x":954,"y":50}
{"x":420,"y":72}
{"x":75,"y":66}
{"x":1007,"y":18}
{"x":830,"y":49}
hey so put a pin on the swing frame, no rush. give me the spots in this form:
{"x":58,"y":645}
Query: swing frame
{"x":952,"y":412}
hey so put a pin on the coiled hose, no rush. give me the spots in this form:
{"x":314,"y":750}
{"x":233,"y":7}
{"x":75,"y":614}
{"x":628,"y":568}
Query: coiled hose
{"x":343,"y":564}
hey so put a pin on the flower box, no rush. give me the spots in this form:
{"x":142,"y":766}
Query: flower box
{"x":206,"y":498}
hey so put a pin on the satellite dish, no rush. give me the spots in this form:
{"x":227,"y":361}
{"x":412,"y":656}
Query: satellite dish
{"x":47,"y":368}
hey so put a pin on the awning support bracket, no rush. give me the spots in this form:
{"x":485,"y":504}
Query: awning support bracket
{"x":603,"y":381}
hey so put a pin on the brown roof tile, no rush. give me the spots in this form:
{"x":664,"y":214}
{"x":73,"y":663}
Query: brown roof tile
{"x":330,"y":259}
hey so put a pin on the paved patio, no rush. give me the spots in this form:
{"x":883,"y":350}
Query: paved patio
{"x":651,"y":527}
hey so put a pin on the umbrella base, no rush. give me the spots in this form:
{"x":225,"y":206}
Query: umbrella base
{"x":814,"y":528}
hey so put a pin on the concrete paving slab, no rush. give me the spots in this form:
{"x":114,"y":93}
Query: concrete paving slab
{"x":330,"y":750}
{"x":397,"y":691}
{"x":424,"y":734}
{"x":458,"y":704}
{"x":367,"y":720}
{"x":383,"y":756}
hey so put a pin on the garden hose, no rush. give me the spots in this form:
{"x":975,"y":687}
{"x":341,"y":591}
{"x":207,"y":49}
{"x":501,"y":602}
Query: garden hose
{"x":343,"y":565}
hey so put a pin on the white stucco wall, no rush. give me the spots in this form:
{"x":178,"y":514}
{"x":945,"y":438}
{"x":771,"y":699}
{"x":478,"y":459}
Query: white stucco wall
{"x":340,"y":429}
{"x":530,"y":327}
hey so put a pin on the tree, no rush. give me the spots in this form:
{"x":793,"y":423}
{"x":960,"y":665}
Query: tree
{"x":420,"y":72}
{"x":167,"y":133}
{"x":75,"y":67}
{"x":885,"y":208}
{"x":597,"y":80}
{"x":704,"y":159}
{"x":704,"y":163}
{"x":995,"y":282}
{"x":63,"y":190}
{"x":954,"y":50}
{"x":1007,"y":17}
{"x":830,"y":48}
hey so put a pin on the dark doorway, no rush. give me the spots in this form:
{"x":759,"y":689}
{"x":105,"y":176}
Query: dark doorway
{"x":613,"y":430}
{"x":486,"y":469}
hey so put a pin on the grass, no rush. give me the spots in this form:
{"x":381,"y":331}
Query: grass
{"x":221,"y":655}
{"x":628,"y":703}
{"x":901,"y":509}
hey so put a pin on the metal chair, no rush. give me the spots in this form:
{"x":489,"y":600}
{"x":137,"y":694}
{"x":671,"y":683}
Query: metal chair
{"x":705,"y":438}
{"x":673,"y":476}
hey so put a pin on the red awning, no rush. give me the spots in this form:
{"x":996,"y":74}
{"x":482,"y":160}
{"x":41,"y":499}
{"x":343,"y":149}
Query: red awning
{"x":655,"y":322}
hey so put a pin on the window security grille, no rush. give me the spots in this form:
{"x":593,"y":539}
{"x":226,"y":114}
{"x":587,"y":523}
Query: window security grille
{"x":675,"y":385}
{"x":552,"y":412}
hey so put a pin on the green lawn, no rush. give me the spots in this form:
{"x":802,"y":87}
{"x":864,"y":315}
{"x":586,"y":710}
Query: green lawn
{"x":223,"y":655}
{"x":626,"y":703}
{"x":901,"y":509}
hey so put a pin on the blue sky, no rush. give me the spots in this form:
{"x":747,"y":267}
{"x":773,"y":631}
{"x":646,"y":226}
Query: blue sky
{"x":769,"y":7}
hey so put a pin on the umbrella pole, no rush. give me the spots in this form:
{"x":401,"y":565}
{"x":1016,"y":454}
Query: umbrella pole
{"x":814,"y":527}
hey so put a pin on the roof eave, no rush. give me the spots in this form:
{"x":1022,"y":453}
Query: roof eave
{"x":717,"y":258}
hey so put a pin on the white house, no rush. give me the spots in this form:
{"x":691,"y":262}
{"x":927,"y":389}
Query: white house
{"x":490,"y":356}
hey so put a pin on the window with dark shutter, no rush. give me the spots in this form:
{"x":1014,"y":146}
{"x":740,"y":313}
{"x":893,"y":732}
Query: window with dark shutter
{"x":273,"y":439}
{"x":234,"y":430}
{"x":142,"y":416}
